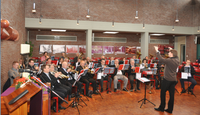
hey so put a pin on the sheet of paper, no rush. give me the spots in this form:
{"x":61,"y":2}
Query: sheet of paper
{"x":99,"y":75}
{"x":143,"y":79}
{"x":138,"y":75}
{"x":184,"y":75}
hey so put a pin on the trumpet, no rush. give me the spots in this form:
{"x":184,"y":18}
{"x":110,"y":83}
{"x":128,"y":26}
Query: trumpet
{"x":60,"y":75}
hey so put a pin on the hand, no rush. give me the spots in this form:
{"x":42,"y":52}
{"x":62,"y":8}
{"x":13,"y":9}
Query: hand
{"x":132,"y":67}
{"x":170,"y":48}
{"x":36,"y":67}
{"x":69,"y":69}
{"x":156,"y":48}
{"x":56,"y":74}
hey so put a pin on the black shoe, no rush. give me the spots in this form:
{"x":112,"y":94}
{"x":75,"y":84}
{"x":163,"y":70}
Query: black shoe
{"x":158,"y":109}
{"x":90,"y":96}
{"x":131,"y":90}
{"x":115,"y":90}
{"x":167,"y":111}
{"x":61,"y":107}
{"x":95,"y":92}
{"x":190,"y":90}
{"x":138,"y":88}
{"x":69,"y":98}
{"x":54,"y":108}
{"x":101,"y":89}
{"x":125,"y":89}
{"x":183,"y":91}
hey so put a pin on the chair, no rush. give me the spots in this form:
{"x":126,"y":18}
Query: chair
{"x":85,"y":88}
{"x":54,"y":62}
{"x":56,"y":99}
{"x":56,"y":58}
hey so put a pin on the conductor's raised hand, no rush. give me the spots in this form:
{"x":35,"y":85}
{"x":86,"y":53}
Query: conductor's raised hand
{"x":156,"y":48}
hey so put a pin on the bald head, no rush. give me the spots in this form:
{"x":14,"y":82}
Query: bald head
{"x":64,"y":65}
{"x":116,"y":61}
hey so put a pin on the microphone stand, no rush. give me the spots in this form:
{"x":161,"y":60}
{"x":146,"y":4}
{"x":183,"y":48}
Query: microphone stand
{"x":51,"y":90}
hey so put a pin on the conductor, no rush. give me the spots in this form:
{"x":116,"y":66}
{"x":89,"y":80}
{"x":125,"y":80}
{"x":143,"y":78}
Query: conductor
{"x":169,"y":80}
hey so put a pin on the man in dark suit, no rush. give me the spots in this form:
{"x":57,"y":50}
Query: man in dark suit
{"x":169,"y":81}
{"x":56,"y":86}
{"x":87,"y":79}
{"x":76,"y":59}
{"x":70,"y":81}
{"x":119,"y":75}
{"x":103,"y":76}
{"x":31,"y":65}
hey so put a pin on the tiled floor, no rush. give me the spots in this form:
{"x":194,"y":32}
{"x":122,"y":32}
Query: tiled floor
{"x":126,"y":103}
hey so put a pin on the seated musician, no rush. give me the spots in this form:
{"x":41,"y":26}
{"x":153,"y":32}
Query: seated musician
{"x":104,"y":76}
{"x":191,"y":72}
{"x":56,"y":86}
{"x":69,"y":81}
{"x":132,"y":75}
{"x":76,"y":59}
{"x":60,"y":63}
{"x":48,"y":61}
{"x":44,"y":57}
{"x":111,"y":59}
{"x":118,"y":75}
{"x":102,"y":57}
{"x":31,"y":65}
{"x":13,"y":72}
{"x":144,"y":65}
{"x":87,"y":79}
{"x":21,"y":64}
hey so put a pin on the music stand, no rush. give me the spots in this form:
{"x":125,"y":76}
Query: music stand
{"x":144,"y":80}
{"x":109,"y":71}
{"x":75,"y":102}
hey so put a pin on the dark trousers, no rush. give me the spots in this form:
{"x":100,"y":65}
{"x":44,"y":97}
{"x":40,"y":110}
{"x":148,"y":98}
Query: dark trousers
{"x":62,"y":91}
{"x":109,"y":79}
{"x":157,"y":80}
{"x":66,"y":85}
{"x":78,"y":84}
{"x":131,"y":78}
{"x":191,"y":79}
{"x":87,"y":83}
{"x":170,"y":86}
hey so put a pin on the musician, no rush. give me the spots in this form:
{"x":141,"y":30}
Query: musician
{"x":56,"y":86}
{"x":76,"y":59}
{"x":191,"y":72}
{"x":144,"y":64}
{"x":88,"y":60}
{"x":169,"y":80}
{"x":48,"y":61}
{"x":102,"y":57}
{"x":104,"y":76}
{"x":60,"y":63}
{"x":70,"y":81}
{"x":31,"y":65}
{"x":63,"y":55}
{"x":78,"y":62}
{"x":111,"y":59}
{"x":118,"y":75}
{"x":132,"y":75}
{"x":13,"y":73}
{"x":21,"y":64}
{"x":87,"y":79}
{"x":44,"y":57}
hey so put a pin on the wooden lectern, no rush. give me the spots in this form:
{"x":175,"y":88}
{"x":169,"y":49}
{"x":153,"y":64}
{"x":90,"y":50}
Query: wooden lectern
{"x":20,"y":107}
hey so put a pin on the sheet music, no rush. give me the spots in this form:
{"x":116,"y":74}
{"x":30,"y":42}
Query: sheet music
{"x":138,"y":75}
{"x":99,"y":75}
{"x":143,"y":79}
{"x":184,"y":75}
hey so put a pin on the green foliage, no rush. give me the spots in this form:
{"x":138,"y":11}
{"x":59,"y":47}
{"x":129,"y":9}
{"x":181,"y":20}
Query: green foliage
{"x":31,"y":48}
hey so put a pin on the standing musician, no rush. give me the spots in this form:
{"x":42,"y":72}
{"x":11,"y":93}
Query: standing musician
{"x":87,"y":79}
{"x":118,"y":75}
{"x":169,"y":81}
{"x":104,"y":76}
{"x":132,"y":75}
{"x":56,"y":86}
{"x":70,"y":81}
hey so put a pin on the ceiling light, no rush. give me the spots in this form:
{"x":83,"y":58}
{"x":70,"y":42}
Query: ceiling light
{"x":143,"y":26}
{"x":177,"y":20}
{"x":56,"y":30}
{"x":34,"y":11}
{"x":110,"y":32}
{"x":136,"y":16}
{"x":40,"y":20}
{"x":198,"y":29}
{"x":77,"y":23}
{"x":113,"y":23}
{"x":157,"y":34}
{"x":88,"y":14}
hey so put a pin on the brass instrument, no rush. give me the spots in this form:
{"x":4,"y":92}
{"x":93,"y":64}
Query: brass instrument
{"x":60,"y":75}
{"x":138,"y":54}
{"x":151,"y":56}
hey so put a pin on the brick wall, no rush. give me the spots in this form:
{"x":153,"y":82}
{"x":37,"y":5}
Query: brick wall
{"x":157,"y":12}
{"x":10,"y":50}
{"x":151,"y":46}
{"x":191,"y":48}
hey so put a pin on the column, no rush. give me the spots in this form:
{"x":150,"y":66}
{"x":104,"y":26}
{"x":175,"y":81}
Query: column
{"x":144,"y":44}
{"x":89,"y":43}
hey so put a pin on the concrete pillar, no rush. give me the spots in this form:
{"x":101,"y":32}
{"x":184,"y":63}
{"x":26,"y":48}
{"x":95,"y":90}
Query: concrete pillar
{"x":144,"y":44}
{"x":89,"y":43}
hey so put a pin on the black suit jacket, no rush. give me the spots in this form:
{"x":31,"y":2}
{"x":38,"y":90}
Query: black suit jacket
{"x":54,"y":83}
{"x":87,"y":76}
{"x":115,"y":73}
{"x":75,"y":60}
{"x":65,"y":73}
